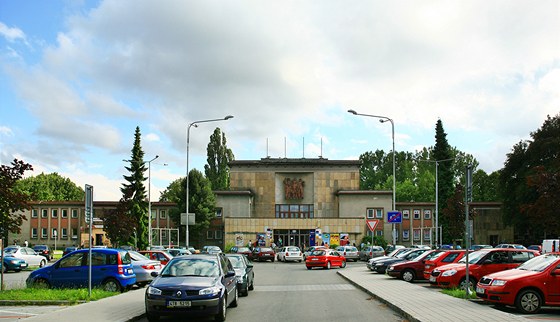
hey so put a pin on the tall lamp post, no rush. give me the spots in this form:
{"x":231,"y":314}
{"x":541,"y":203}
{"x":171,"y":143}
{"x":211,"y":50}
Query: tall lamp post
{"x":195,"y":124}
{"x":150,"y":202}
{"x":384,"y":119}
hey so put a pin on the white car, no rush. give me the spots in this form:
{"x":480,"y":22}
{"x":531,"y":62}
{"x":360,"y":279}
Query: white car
{"x":27,"y":254}
{"x":290,"y":253}
{"x":350,"y":252}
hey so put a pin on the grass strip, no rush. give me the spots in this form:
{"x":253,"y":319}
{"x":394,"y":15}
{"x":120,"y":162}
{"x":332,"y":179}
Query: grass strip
{"x":70,"y":295}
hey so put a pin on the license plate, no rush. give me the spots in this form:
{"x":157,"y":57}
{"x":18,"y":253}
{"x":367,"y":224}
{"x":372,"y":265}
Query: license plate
{"x":179,"y":304}
{"x":479,"y":290}
{"x":314,"y":259}
{"x":129,"y":270}
{"x":432,"y":278}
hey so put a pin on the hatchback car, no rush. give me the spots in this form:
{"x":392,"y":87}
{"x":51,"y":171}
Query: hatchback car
{"x":412,"y":270}
{"x":143,"y":268}
{"x":382,"y":265}
{"x":27,"y":254}
{"x":309,"y":250}
{"x":242,"y":250}
{"x":10,"y":263}
{"x":158,"y":255}
{"x":263,"y":254}
{"x":68,"y":250}
{"x":211,"y":250}
{"x":371,"y":262}
{"x":111,"y":269}
{"x":530,"y":286}
{"x":244,"y":273}
{"x":290,"y":253}
{"x":178,"y":251}
{"x":191,"y":286}
{"x":350,"y":252}
{"x":369,"y":252}
{"x":443,"y":258}
{"x":325,"y":258}
{"x":481,"y":262}
{"x":44,"y":250}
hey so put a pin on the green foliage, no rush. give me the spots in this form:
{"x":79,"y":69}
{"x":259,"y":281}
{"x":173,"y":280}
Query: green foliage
{"x":11,"y":200}
{"x":376,"y":240}
{"x":218,"y":157}
{"x":71,"y":295}
{"x":229,"y":246}
{"x":460,"y":293}
{"x":50,"y":187}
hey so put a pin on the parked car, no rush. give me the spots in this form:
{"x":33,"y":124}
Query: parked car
{"x":350,"y":252}
{"x":263,"y":254}
{"x":193,"y":286}
{"x":68,"y":250}
{"x":382,"y":265}
{"x":10,"y":263}
{"x":143,"y":268}
{"x":477,"y":247}
{"x":443,"y":258}
{"x":244,"y":273}
{"x":111,"y":269}
{"x":371,"y":262}
{"x":211,"y":250}
{"x":309,"y":250}
{"x":157,"y":247}
{"x":538,"y":248}
{"x":290,"y":253}
{"x":420,"y":246}
{"x":325,"y":258}
{"x":370,"y":252}
{"x":27,"y":254}
{"x":481,"y":262}
{"x":516,"y":246}
{"x":158,"y":255}
{"x":391,"y":248}
{"x":178,"y":251}
{"x":412,"y":270}
{"x":528,"y":287}
{"x":44,"y":250}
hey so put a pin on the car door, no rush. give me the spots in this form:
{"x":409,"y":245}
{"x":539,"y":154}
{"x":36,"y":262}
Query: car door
{"x":229,"y":282}
{"x":32,"y":257}
{"x":70,"y":271}
{"x":552,"y":285}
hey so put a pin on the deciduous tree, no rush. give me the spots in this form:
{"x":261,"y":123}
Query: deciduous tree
{"x":218,"y":157}
{"x":50,"y":187}
{"x":12,"y":202}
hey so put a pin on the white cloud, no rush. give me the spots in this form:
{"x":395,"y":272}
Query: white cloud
{"x":11,"y":34}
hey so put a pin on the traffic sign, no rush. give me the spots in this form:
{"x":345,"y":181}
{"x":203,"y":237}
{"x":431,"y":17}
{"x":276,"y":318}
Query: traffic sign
{"x":372,"y":223}
{"x":394,"y":217}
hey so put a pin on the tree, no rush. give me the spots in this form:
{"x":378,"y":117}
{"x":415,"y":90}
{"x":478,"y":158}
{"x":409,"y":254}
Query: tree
{"x":442,"y":151}
{"x":134,"y":194}
{"x":117,"y":222}
{"x":529,"y":163}
{"x":218,"y":157}
{"x":12,"y":202}
{"x":454,"y":215}
{"x":50,"y":187}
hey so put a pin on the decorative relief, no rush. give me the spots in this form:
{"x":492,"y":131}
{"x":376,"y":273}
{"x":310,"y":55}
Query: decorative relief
{"x":293,"y":188}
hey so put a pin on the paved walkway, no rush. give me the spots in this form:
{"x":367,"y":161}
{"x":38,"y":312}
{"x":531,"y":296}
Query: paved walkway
{"x":414,"y":301}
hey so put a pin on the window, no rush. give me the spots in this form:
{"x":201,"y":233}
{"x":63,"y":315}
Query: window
{"x":72,"y":260}
{"x":209,"y":234}
{"x":379,"y":233}
{"x":375,"y":213}
{"x":44,"y":213}
{"x":64,"y":233}
{"x":54,"y":213}
{"x":294,"y":211}
{"x":378,"y":213}
{"x":74,"y":233}
{"x":33,"y":232}
{"x":406,"y":214}
{"x":154,"y":214}
{"x":218,"y":212}
{"x":218,"y":234}
{"x":416,"y":214}
{"x":64,"y":213}
{"x":74,"y":213}
{"x":406,"y":234}
{"x":427,"y":214}
{"x":162,"y":214}
{"x":33,"y":213}
{"x":427,"y":234}
{"x":416,"y":234}
{"x":43,"y":232}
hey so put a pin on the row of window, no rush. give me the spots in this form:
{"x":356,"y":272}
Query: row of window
{"x":74,"y":213}
{"x":54,"y":233}
{"x":213,"y":234}
{"x":378,"y":213}
{"x":416,"y":233}
{"x":294,"y":211}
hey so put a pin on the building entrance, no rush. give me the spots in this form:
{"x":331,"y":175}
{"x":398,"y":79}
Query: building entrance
{"x":292,"y":237}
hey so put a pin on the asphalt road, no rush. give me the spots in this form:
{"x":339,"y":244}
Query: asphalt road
{"x":289,"y":292}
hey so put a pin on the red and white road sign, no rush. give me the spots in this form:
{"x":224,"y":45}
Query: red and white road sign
{"x":372,"y":223}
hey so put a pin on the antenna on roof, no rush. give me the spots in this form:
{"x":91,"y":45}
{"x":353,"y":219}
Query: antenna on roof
{"x":321,"y":156}
{"x":303,"y":146}
{"x":267,"y":155}
{"x":284,"y":147}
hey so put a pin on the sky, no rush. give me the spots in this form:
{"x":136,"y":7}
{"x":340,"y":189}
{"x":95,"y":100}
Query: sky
{"x":77,"y":78}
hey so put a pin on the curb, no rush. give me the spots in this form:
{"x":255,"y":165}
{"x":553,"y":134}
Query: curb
{"x":35,"y":302}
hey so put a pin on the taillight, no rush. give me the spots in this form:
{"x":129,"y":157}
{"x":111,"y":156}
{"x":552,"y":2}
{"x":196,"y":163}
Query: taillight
{"x":344,"y":253}
{"x":370,"y":253}
{"x":148,"y":266}
{"x":119,"y":263}
{"x":287,"y":254}
{"x":121,"y":270}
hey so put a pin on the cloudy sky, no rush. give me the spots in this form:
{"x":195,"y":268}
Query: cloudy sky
{"x":77,"y":77}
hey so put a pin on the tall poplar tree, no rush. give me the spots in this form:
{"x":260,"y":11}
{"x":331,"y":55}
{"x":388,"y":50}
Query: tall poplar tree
{"x":442,"y":151}
{"x":218,"y":157}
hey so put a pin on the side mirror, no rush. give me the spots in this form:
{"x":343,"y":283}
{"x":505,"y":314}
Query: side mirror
{"x":556,"y":271}
{"x":230,"y":274}
{"x":154,"y":274}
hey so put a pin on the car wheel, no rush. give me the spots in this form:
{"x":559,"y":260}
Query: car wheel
{"x":528,"y":301}
{"x":328,"y":265}
{"x":235,"y":298}
{"x":343,"y":264}
{"x":308,"y":267}
{"x":5,"y":269}
{"x":41,"y":283}
{"x":472,"y":283}
{"x":221,"y":316}
{"x":408,"y":275}
{"x":252,"y":286}
{"x":111,"y":285}
{"x":152,"y":317}
{"x":42,"y":263}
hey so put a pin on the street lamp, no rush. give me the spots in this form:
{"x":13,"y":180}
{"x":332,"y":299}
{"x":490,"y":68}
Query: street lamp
{"x":384,"y":119}
{"x":195,"y":124}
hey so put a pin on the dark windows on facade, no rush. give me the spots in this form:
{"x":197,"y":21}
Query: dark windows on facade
{"x":376,"y":213}
{"x":294,"y":211}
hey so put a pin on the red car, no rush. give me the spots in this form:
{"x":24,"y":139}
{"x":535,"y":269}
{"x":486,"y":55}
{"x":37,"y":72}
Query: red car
{"x":533,"y":284}
{"x":263,"y":254}
{"x":447,"y":257}
{"x":325,"y":258}
{"x":158,"y":255}
{"x":481,"y":262}
{"x":411,"y":270}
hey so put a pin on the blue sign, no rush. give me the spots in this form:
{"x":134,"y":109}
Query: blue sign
{"x":394,"y":217}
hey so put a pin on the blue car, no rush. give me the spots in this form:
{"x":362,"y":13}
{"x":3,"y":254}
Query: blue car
{"x":111,"y":270}
{"x":193,"y":285}
{"x":10,"y":263}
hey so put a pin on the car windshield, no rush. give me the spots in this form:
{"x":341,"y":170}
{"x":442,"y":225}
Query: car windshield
{"x":243,"y":249}
{"x":474,"y":257}
{"x":292,"y":249}
{"x":10,"y":250}
{"x":319,"y":252}
{"x":236,"y":261}
{"x":136,"y":256}
{"x":191,"y":267}
{"x":539,"y":263}
{"x":264,"y":249}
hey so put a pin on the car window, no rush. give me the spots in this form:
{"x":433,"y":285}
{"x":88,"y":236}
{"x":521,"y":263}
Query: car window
{"x":450,"y":258}
{"x":72,"y":260}
{"x":97,"y":259}
{"x":499,"y":257}
{"x":520,"y":257}
{"x":236,"y":261}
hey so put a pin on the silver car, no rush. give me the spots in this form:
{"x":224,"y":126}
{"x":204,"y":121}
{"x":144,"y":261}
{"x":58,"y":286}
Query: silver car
{"x":143,"y":268}
{"x":369,"y":252}
{"x":349,"y":252}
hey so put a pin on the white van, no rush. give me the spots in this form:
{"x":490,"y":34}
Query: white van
{"x":550,"y":245}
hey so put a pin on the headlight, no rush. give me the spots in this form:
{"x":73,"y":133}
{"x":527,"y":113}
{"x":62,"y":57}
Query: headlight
{"x":498,"y":283}
{"x":450,"y":272}
{"x":391,"y":268}
{"x":154,"y":291}
{"x":14,"y":261}
{"x":209,"y":291}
